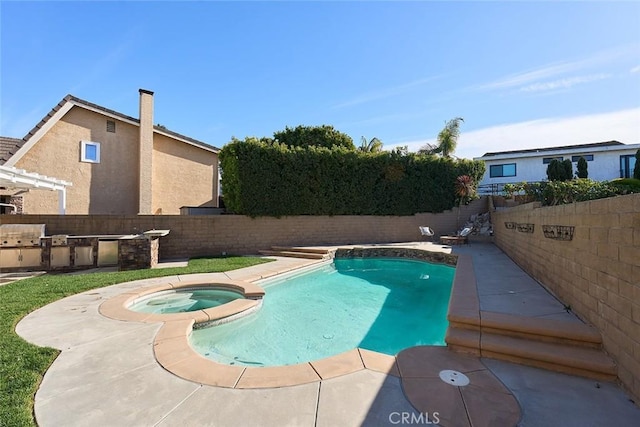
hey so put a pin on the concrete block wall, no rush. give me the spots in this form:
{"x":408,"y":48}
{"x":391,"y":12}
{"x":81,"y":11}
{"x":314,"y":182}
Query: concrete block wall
{"x":597,"y":273}
{"x":204,"y":235}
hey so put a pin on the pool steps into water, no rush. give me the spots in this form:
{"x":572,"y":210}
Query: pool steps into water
{"x":297,"y":252}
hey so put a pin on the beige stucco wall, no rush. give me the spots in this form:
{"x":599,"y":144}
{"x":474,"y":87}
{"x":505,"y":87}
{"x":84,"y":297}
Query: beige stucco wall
{"x":108,"y":187}
{"x":183,"y":175}
{"x":597,"y":273}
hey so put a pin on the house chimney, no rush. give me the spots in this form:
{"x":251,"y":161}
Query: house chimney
{"x":145,"y":167}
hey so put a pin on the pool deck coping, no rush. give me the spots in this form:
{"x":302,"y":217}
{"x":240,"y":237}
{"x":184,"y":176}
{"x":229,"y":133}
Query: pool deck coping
{"x":173,"y":351}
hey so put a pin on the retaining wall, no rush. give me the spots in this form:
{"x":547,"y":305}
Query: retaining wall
{"x":596,"y":272}
{"x":204,"y":235}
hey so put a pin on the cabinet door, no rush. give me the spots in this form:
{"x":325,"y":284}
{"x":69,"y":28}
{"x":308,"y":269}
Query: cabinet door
{"x":30,"y":257}
{"x":9,"y":258}
{"x":60,"y":256}
{"x":84,"y":255}
{"x":107,"y":252}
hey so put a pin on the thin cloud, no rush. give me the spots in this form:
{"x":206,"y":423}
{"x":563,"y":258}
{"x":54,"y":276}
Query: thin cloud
{"x":103,"y":67}
{"x":529,"y":78}
{"x":18,"y":126}
{"x":384,"y":93}
{"x":635,"y":69}
{"x":563,"y":83}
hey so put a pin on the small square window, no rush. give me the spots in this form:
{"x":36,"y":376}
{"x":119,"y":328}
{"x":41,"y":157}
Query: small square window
{"x":89,"y":152}
{"x":111,"y":126}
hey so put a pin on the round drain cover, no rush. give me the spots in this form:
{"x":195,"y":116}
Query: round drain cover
{"x":454,"y":378}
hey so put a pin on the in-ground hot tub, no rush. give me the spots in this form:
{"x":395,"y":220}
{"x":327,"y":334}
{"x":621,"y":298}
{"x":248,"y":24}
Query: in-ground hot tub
{"x":184,"y":300}
{"x":204,"y":302}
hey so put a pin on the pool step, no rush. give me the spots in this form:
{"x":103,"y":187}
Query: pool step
{"x":573,"y":333}
{"x":562,"y":346}
{"x":297,"y":252}
{"x":322,"y":251}
{"x":573,"y":360}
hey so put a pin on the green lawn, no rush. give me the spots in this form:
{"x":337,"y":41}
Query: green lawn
{"x":22,"y":365}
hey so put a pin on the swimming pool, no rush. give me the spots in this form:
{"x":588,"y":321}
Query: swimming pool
{"x":384,"y":305}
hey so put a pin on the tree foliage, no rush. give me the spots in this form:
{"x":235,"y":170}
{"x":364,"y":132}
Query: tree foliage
{"x":465,"y":187}
{"x":373,"y":146}
{"x":636,"y":169}
{"x":318,"y":136}
{"x":567,"y":166}
{"x":273,"y":179}
{"x":465,"y":190}
{"x":560,"y":170}
{"x":447,"y":139}
{"x":582,"y":168}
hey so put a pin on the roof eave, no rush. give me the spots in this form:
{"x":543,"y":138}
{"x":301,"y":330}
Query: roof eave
{"x":70,"y":101}
{"x":551,"y":151}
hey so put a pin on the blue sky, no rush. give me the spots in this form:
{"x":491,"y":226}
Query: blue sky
{"x":521,"y":74}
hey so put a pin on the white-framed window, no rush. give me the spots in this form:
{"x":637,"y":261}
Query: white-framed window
{"x":89,"y":152}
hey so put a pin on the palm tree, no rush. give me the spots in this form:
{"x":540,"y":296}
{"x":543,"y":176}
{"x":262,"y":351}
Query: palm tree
{"x":465,"y":188}
{"x":447,"y":139}
{"x":373,"y":146}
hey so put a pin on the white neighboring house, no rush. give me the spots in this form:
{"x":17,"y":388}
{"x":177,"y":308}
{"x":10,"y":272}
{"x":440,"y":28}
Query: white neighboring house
{"x":605,"y":161}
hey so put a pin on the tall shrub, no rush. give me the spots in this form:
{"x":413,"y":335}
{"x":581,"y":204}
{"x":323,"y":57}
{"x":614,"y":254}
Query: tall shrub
{"x":271,"y":179}
{"x":553,"y":170}
{"x":636,"y":169}
{"x":567,"y":168}
{"x":559,"y":170}
{"x":582,"y":168}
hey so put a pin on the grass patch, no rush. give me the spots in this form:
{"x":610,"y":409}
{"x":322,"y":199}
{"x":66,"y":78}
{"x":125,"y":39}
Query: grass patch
{"x":22,"y":365}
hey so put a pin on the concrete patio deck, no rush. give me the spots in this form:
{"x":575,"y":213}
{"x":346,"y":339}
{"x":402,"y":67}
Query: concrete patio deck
{"x":107,"y":374}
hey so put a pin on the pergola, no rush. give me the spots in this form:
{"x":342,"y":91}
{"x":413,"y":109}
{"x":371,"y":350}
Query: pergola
{"x":18,"y":179}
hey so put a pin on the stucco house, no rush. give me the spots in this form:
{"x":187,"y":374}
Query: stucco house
{"x":605,"y":161}
{"x":114,"y":164}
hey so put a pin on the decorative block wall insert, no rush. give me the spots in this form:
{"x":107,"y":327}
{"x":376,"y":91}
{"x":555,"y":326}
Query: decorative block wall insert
{"x":510,"y":225}
{"x":526,"y":228}
{"x":558,"y":232}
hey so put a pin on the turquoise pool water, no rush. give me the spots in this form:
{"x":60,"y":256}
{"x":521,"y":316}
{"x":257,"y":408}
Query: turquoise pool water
{"x":183,"y":300}
{"x":384,"y":305}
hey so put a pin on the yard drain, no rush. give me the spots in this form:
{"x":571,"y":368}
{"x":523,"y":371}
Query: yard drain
{"x":454,"y":378}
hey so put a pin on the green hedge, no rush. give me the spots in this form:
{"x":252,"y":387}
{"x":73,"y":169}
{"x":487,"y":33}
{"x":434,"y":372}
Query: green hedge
{"x":263,"y":179}
{"x":552,"y":193}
